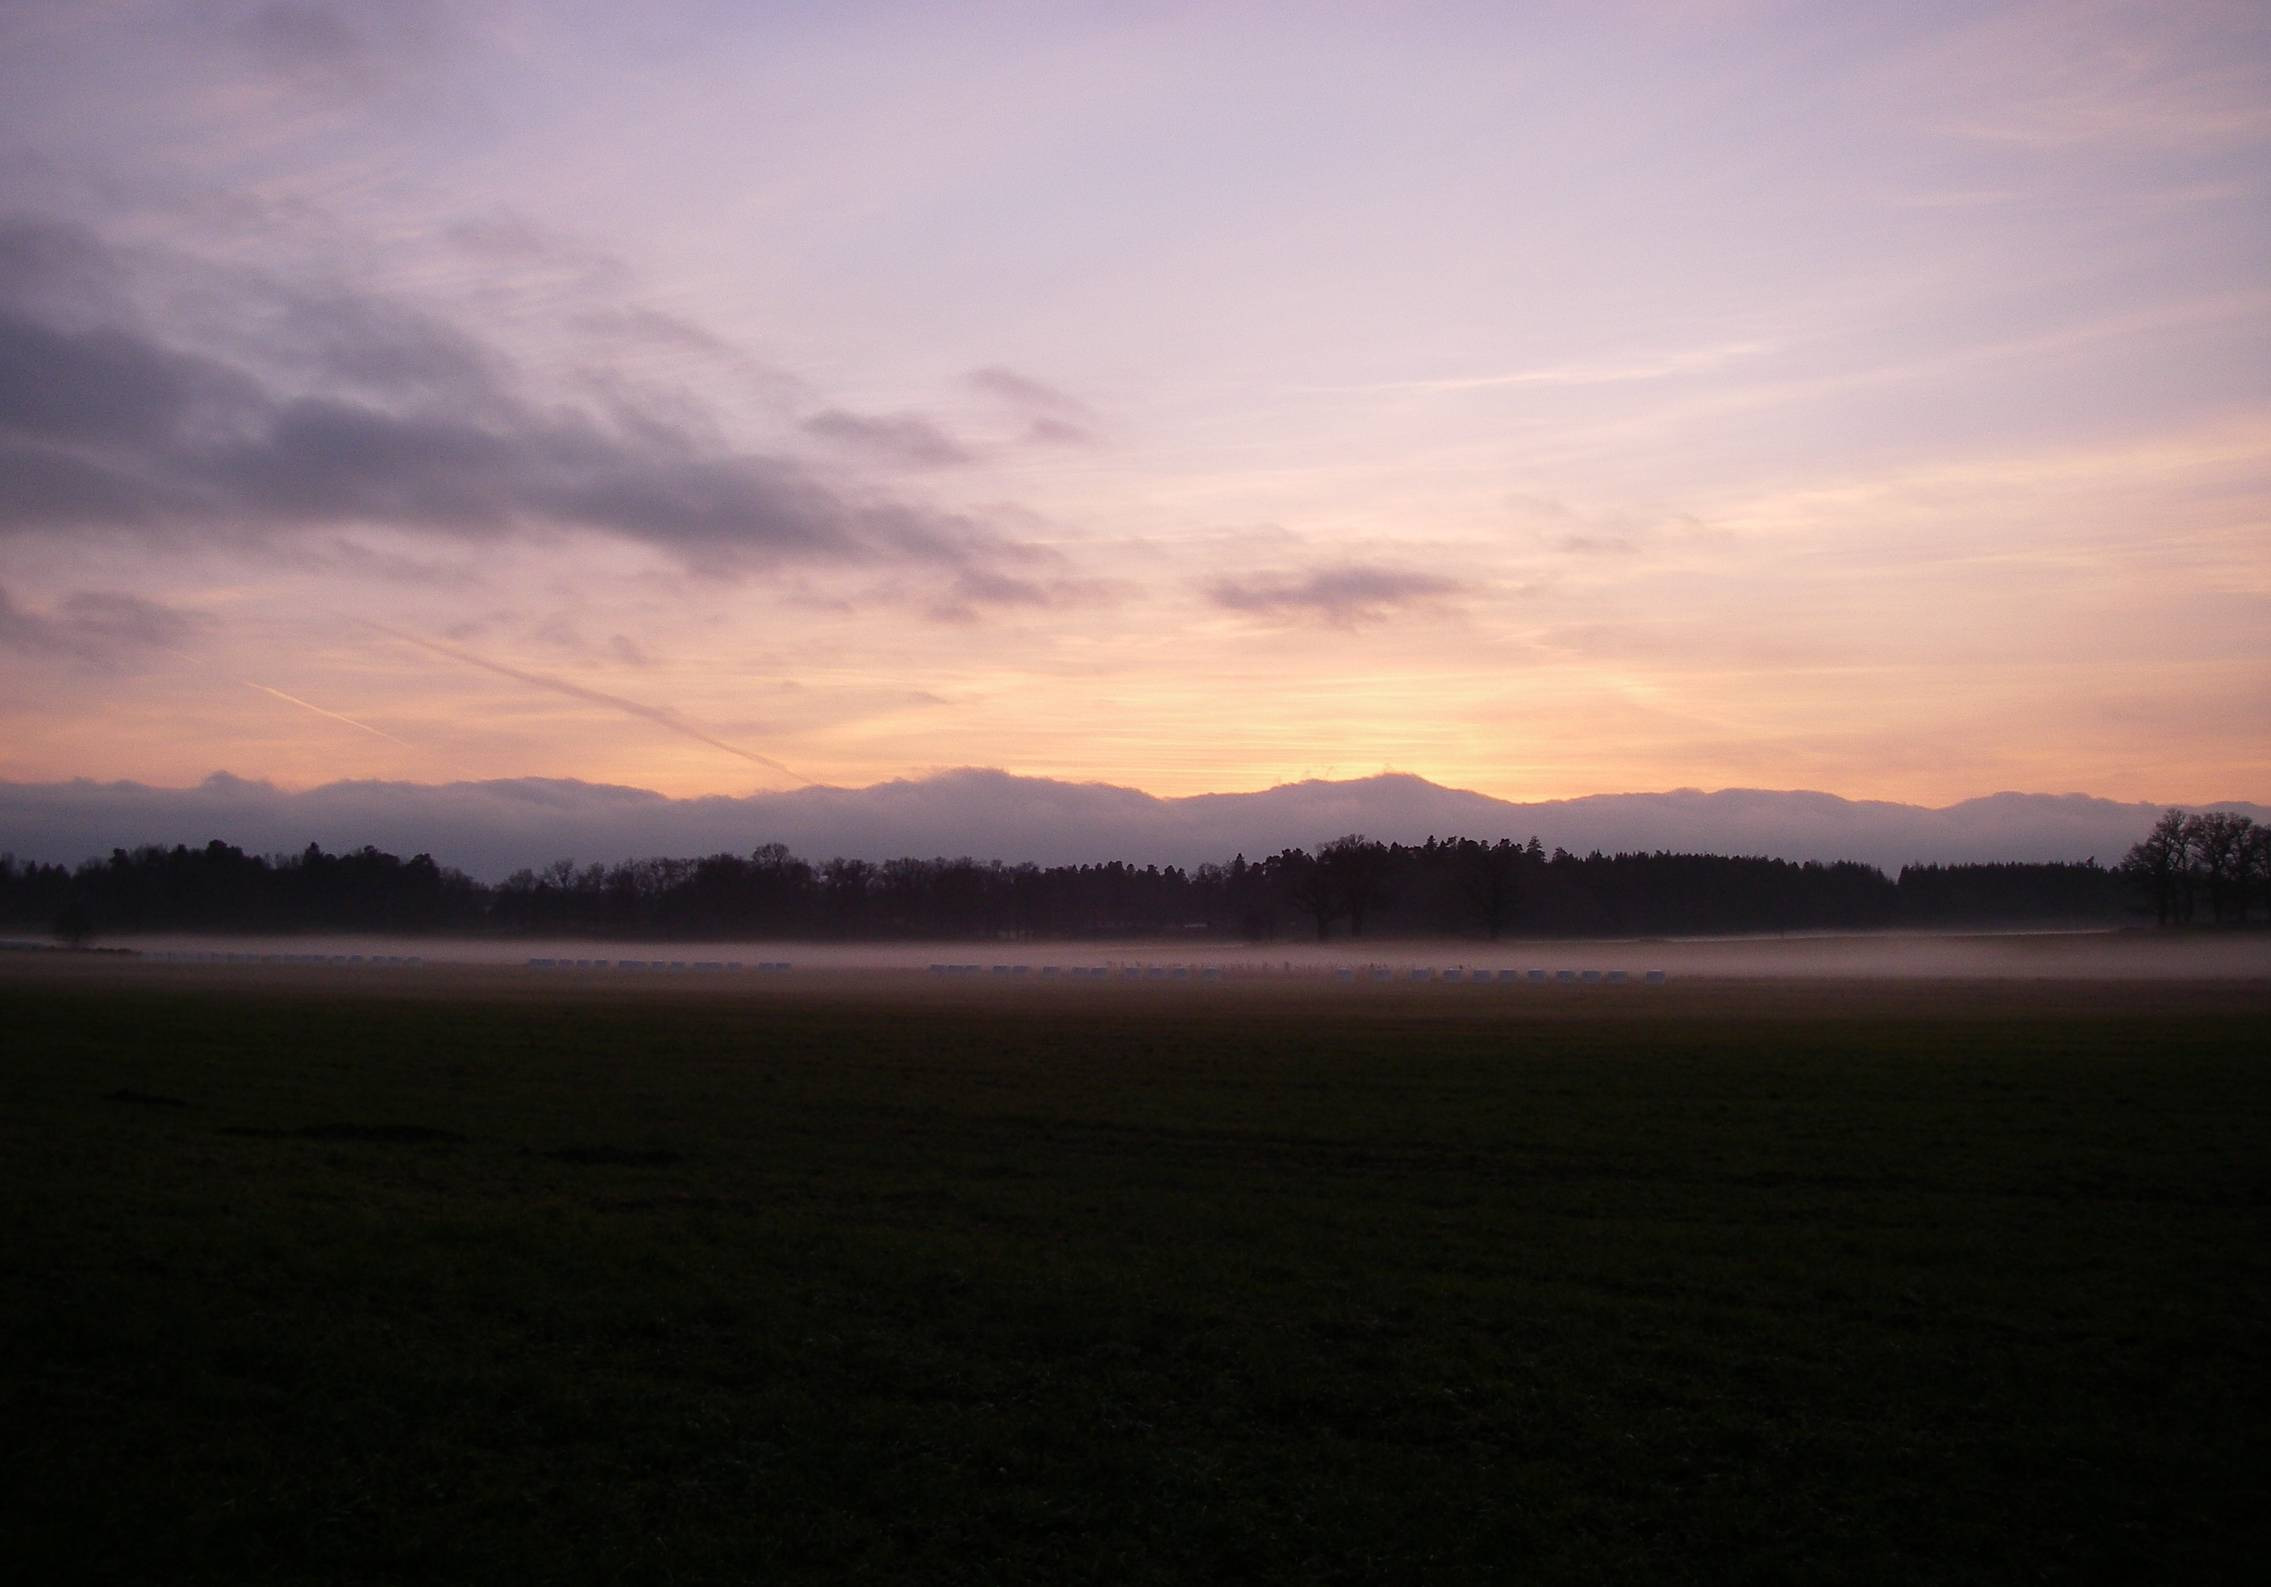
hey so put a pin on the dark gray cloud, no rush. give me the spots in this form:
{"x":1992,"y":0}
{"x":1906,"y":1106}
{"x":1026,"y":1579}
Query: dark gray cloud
{"x":360,"y":412}
{"x":346,"y":342}
{"x":493,"y":828}
{"x":107,"y":387}
{"x":651,"y":327}
{"x":58,"y":270}
{"x":334,"y":49}
{"x":301,"y":39}
{"x":1345,"y":596}
{"x":42,"y":488}
{"x":907,"y":439}
{"x":97,"y":628}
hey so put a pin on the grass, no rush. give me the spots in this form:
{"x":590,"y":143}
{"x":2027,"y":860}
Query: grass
{"x":442,"y":1279}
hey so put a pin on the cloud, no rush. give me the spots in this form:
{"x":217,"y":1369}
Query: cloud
{"x":353,"y":558}
{"x":109,"y":387}
{"x":1570,"y":531}
{"x":339,"y":49}
{"x":58,"y":269}
{"x":1663,"y":366}
{"x":1344,"y":596}
{"x":976,"y":588}
{"x":394,"y":419}
{"x":506,"y":241}
{"x":653,"y":328}
{"x":1046,"y":431}
{"x":561,"y":634}
{"x":636,"y":335}
{"x":1023,"y":391}
{"x":306,"y":42}
{"x":902,"y":438}
{"x":365,"y":344}
{"x":2187,"y":79}
{"x":97,"y":628}
{"x":1596,"y":545}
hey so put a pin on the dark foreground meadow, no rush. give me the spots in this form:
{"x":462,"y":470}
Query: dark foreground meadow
{"x":453,"y":1276}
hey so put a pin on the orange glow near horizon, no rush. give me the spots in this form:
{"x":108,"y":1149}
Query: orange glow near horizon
{"x":1219,"y":408}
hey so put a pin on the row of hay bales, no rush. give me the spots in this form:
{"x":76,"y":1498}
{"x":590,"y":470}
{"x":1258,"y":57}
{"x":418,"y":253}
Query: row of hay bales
{"x":1088,"y":972}
{"x":1460,"y":972}
{"x":1374,"y":972}
{"x":214,"y":956}
{"x":667,"y":966}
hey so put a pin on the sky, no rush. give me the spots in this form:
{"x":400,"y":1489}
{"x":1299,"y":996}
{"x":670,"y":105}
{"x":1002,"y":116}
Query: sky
{"x":1545,"y":400}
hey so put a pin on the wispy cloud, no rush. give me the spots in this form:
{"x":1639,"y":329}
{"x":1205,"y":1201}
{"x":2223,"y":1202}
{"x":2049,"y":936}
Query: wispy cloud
{"x":1343,"y":596}
{"x":1596,"y":545}
{"x":97,"y":628}
{"x":330,"y":49}
{"x":1687,"y":362}
{"x":2174,"y":77}
{"x":651,"y":327}
{"x":1023,"y":391}
{"x":1049,"y":431}
{"x":1053,"y":417}
{"x":907,"y":439}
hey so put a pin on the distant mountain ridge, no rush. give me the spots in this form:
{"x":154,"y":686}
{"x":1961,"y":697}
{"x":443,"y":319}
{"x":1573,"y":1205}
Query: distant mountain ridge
{"x":494,"y":827}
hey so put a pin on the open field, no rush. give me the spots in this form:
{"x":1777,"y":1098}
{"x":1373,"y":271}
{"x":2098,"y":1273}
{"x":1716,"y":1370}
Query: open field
{"x":466,"y":1273}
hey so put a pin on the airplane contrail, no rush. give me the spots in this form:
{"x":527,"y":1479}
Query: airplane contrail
{"x":293,"y":699}
{"x":661,"y":716}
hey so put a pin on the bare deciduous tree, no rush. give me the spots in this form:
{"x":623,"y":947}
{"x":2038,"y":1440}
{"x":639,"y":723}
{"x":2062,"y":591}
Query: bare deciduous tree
{"x":2162,"y":864}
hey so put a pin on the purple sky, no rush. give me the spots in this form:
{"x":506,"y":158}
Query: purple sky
{"x":1544,"y":400}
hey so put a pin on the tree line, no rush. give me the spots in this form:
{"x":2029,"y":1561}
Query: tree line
{"x":1350,"y":888}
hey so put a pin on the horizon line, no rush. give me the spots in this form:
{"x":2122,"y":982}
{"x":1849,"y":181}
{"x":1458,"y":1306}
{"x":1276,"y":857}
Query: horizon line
{"x":943,"y":773}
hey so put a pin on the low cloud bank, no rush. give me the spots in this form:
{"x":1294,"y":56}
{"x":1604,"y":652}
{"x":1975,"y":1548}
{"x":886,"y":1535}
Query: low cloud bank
{"x":490,"y":829}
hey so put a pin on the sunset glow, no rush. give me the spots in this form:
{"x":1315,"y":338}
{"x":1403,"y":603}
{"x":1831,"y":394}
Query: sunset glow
{"x":1541,"y":400}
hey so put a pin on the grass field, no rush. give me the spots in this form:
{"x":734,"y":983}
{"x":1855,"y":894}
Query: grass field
{"x":467,"y":1276}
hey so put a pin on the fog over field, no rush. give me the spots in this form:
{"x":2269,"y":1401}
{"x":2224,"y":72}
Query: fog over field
{"x":2012,"y":956}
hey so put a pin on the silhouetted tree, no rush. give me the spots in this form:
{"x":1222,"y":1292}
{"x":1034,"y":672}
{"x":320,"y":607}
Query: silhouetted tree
{"x":2161,"y":866}
{"x":73,"y":925}
{"x":1355,"y":870}
{"x":2219,"y":846}
{"x":1309,"y":886}
{"x":1492,"y":876}
{"x":2255,"y":868}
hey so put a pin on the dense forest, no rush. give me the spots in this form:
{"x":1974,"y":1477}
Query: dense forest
{"x":2190,"y":868}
